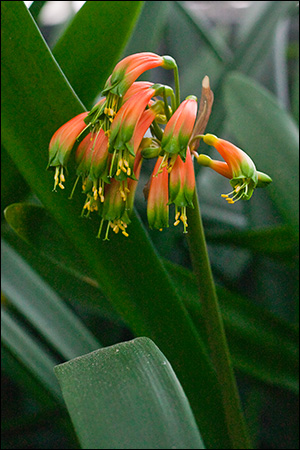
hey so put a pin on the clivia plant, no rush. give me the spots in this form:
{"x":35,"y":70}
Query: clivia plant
{"x":137,"y":345}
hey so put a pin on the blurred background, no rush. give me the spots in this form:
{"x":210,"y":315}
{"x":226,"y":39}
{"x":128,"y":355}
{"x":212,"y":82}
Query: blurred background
{"x":253,"y":246}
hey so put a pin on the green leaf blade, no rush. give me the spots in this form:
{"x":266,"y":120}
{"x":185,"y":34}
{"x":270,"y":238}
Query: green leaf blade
{"x":127,"y":396}
{"x":91,"y":44}
{"x":42,"y":307}
{"x":270,"y":136}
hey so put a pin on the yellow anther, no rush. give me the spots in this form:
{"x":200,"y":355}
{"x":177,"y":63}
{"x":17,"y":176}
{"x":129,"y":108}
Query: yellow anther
{"x":224,"y":195}
{"x":129,"y":171}
{"x":110,"y":119}
{"x":127,"y":190}
{"x":56,"y":178}
{"x":118,"y":172}
{"x":61,"y":185}
{"x":62,"y":177}
{"x":95,"y":195}
{"x":107,"y":133}
{"x":126,"y":164}
{"x":120,"y":163}
{"x":102,"y":198}
{"x":124,"y":169}
{"x":237,"y":188}
{"x":176,"y":223}
{"x":177,"y":215}
{"x":116,"y":229}
{"x":125,"y":234}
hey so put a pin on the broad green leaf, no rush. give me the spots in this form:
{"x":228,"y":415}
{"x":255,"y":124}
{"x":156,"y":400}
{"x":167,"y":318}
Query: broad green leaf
{"x":254,"y":46}
{"x":92,"y":43}
{"x":153,"y":17}
{"x":29,"y":352}
{"x":254,"y":334}
{"x":43,"y":308}
{"x":261,"y":344}
{"x":147,"y":300}
{"x":13,"y":186}
{"x":211,"y":38}
{"x":276,"y":242}
{"x":26,"y":381}
{"x":269,"y":135}
{"x":35,"y":8}
{"x":127,"y":396}
{"x":259,"y":37}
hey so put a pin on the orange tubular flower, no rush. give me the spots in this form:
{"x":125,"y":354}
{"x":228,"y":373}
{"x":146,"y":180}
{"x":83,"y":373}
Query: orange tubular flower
{"x":182,"y":187}
{"x":61,"y":145}
{"x":158,"y":198}
{"x":178,"y":131}
{"x":131,"y":67}
{"x":122,"y":130}
{"x":136,"y":87}
{"x":238,"y":167}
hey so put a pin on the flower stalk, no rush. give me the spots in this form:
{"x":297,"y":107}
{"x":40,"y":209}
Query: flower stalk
{"x":215,"y":331}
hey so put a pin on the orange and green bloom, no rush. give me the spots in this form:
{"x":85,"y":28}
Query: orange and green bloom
{"x":110,"y":144}
{"x":178,"y":131}
{"x":131,"y":67}
{"x":238,"y":167}
{"x":182,"y":187}
{"x":61,"y":145}
{"x":158,"y":198}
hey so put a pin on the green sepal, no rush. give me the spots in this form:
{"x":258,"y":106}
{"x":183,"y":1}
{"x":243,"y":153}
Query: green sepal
{"x":263,"y":180}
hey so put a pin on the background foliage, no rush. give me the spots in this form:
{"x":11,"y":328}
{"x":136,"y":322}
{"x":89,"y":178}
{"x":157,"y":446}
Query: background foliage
{"x":59,"y":300}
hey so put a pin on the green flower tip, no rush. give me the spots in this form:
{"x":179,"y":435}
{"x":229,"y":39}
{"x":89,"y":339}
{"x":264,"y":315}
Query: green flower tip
{"x":263,"y":180}
{"x":169,"y":62}
{"x":204,"y":160}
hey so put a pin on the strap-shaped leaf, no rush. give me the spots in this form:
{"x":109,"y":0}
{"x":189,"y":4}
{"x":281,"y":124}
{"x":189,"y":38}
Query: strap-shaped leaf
{"x":30,"y":353}
{"x":270,"y":136}
{"x":42,"y":307}
{"x":90,"y":46}
{"x":262,"y":345}
{"x":127,"y":396}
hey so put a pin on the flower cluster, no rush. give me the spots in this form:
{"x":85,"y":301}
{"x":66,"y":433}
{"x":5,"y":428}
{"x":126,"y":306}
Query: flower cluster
{"x":109,"y":145}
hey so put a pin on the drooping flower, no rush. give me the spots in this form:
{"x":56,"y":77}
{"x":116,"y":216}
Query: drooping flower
{"x":178,"y":131}
{"x":238,"y":167}
{"x":158,"y":197}
{"x":182,"y":187}
{"x":114,"y":210}
{"x":61,"y":145}
{"x":131,"y":67}
{"x":136,"y":87}
{"x":122,"y":130}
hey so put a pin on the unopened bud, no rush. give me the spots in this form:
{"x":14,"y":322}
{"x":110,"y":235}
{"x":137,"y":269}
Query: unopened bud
{"x":169,"y":62}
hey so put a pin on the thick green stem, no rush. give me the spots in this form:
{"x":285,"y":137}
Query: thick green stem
{"x":177,"y":87}
{"x":219,"y":350}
